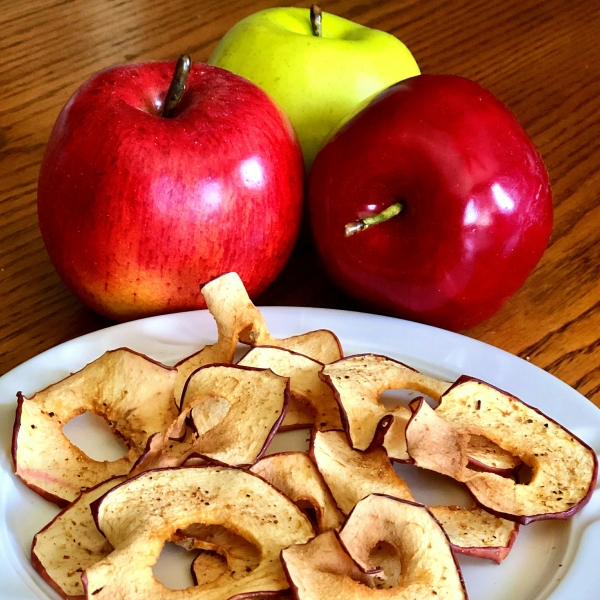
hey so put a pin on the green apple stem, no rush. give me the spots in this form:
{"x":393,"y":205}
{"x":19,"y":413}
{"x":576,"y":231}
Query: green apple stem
{"x":316,"y":18}
{"x":177,"y":87}
{"x":362,"y":224}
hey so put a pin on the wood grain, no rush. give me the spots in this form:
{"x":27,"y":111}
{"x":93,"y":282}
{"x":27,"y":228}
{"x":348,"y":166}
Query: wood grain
{"x":539,"y":57}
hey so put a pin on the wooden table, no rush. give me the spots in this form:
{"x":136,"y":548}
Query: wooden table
{"x":539,"y":56}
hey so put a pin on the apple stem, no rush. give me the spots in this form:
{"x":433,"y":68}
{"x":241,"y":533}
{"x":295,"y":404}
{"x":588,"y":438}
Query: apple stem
{"x":362,"y":224}
{"x":316,"y":18}
{"x":177,"y":87}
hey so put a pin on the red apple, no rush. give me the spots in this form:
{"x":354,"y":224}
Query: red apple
{"x":476,"y":205}
{"x":137,"y":210}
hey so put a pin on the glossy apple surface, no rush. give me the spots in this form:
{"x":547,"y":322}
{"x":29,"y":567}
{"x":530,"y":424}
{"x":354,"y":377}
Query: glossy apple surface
{"x":137,"y":210}
{"x":477,"y":204}
{"x":315,"y":80}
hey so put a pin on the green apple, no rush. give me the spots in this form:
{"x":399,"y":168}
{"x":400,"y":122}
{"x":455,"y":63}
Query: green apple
{"x":316,"y":79}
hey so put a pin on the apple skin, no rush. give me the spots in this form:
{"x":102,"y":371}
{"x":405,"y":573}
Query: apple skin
{"x":137,"y":211}
{"x":315,"y":80}
{"x":477,"y":213}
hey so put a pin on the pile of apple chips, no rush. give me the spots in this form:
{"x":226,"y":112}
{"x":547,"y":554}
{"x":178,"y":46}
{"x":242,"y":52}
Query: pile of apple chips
{"x":336,"y":522}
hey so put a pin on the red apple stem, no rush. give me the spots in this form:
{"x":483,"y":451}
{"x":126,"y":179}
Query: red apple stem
{"x":316,"y":19}
{"x":362,"y":224}
{"x":177,"y":87}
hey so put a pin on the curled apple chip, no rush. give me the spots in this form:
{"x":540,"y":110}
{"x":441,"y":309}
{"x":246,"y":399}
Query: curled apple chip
{"x":295,"y":475}
{"x":564,"y":468}
{"x":133,"y":393}
{"x":71,"y":543}
{"x":428,"y":566}
{"x":436,"y":444}
{"x":350,"y":474}
{"x":477,"y":533}
{"x":235,"y":411}
{"x":414,"y":540}
{"x":358,"y":381}
{"x":250,"y":326}
{"x":140,"y":515}
{"x":311,"y":398}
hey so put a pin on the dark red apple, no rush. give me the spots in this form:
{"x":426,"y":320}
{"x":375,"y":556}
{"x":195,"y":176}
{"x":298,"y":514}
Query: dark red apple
{"x":476,"y":205}
{"x":137,"y":210}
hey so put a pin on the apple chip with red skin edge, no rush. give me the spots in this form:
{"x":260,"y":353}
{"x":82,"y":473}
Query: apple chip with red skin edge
{"x":140,"y":515}
{"x":295,"y":475}
{"x":71,"y":543}
{"x":331,"y":567}
{"x":564,"y":468}
{"x":475,"y":532}
{"x":312,"y":398}
{"x":428,"y":566}
{"x":132,"y":392}
{"x":235,"y":411}
{"x":358,"y":381}
{"x":352,"y":475}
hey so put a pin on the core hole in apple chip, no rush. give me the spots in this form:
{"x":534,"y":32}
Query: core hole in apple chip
{"x":132,"y":392}
{"x":311,"y":400}
{"x":93,"y":436}
{"x":564,"y":469}
{"x":358,"y":383}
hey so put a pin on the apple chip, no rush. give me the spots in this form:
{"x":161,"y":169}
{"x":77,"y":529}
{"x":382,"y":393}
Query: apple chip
{"x":235,"y":411}
{"x":133,"y":393}
{"x":350,"y":474}
{"x":423,"y":565}
{"x":140,"y":515}
{"x":564,"y":468}
{"x":71,"y":543}
{"x":295,"y":475}
{"x":249,"y":324}
{"x":359,"y":380}
{"x":477,"y":533}
{"x":311,"y":398}
{"x":428,"y":567}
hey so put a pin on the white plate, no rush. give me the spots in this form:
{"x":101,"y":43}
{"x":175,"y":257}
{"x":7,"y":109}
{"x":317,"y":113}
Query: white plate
{"x":550,"y":560}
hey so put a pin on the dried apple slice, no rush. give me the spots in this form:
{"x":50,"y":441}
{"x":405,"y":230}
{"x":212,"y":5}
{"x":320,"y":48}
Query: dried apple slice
{"x":71,"y":543}
{"x":564,"y":468}
{"x":321,"y":569}
{"x":140,"y":515}
{"x":350,"y":474}
{"x":235,"y":411}
{"x":132,"y":392}
{"x":358,"y":381}
{"x":428,"y":566}
{"x":322,"y":345}
{"x":477,"y":533}
{"x":305,"y":386}
{"x":295,"y":475}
